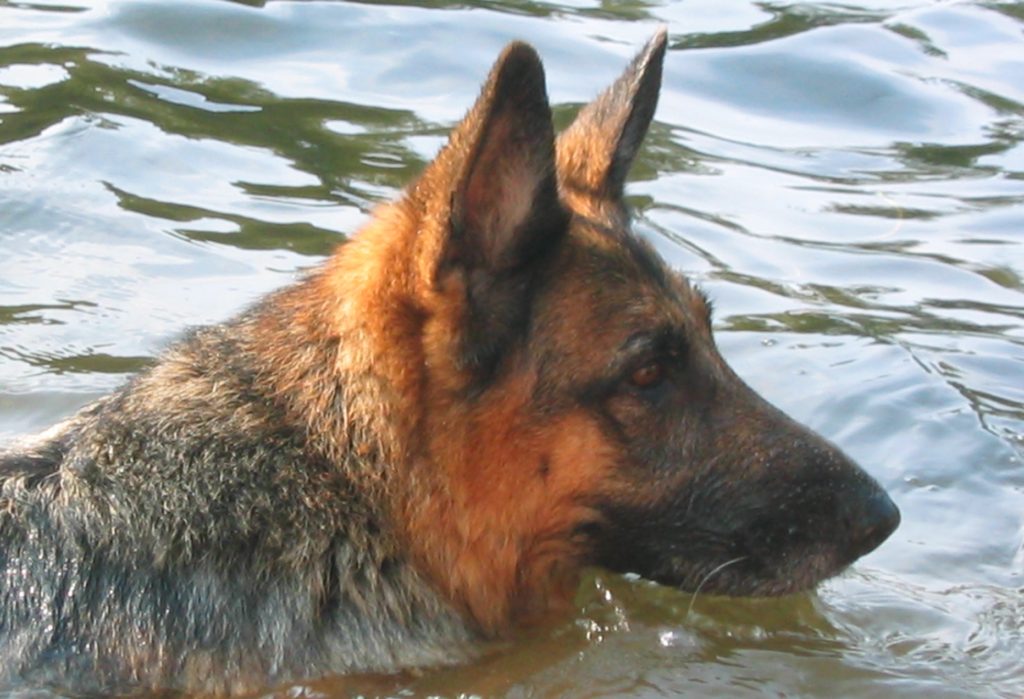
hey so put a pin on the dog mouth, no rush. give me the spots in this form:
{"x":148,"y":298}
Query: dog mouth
{"x":705,"y":562}
{"x":757,"y":555}
{"x":748,"y":576}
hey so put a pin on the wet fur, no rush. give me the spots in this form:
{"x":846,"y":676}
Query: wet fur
{"x":419,"y":445}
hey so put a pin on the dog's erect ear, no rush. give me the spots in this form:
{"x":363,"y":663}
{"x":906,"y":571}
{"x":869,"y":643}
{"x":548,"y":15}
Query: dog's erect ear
{"x":503,"y":206}
{"x":491,"y":205}
{"x":596,"y":151}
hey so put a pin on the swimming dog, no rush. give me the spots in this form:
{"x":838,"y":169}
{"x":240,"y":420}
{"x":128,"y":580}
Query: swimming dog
{"x":421,"y":443}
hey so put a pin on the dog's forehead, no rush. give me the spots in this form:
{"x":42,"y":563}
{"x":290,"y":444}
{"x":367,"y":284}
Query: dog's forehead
{"x":612,"y":284}
{"x":627,"y":263}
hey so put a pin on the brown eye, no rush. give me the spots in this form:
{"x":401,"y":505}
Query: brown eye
{"x":648,"y":376}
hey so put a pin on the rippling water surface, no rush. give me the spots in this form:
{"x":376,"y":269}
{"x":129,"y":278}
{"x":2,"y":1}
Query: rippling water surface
{"x":845,"y":180}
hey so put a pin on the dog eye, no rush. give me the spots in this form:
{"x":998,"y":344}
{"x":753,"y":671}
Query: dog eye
{"x":648,"y":376}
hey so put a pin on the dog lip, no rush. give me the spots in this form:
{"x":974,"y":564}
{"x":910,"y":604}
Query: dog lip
{"x":745,"y":576}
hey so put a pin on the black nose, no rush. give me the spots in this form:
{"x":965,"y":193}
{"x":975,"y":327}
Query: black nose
{"x":874,"y":518}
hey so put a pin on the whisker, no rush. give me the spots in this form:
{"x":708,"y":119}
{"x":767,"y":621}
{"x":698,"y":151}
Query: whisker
{"x":707,"y":577}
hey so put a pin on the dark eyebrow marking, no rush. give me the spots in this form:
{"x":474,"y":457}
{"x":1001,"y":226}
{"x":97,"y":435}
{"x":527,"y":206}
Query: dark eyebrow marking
{"x":664,"y":339}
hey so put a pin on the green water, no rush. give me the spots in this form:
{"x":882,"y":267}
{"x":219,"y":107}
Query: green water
{"x":845,"y":180}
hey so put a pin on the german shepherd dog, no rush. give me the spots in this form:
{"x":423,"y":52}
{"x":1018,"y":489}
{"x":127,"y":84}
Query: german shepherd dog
{"x":419,"y":445}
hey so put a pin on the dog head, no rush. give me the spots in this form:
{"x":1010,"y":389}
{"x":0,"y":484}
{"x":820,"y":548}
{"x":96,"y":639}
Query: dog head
{"x":574,"y":407}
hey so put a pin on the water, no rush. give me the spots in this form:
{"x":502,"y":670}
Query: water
{"x":846,"y":181}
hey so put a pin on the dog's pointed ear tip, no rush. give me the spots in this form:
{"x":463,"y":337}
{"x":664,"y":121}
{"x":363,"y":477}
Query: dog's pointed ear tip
{"x":520,"y":57}
{"x":518,"y":47}
{"x":657,"y":44}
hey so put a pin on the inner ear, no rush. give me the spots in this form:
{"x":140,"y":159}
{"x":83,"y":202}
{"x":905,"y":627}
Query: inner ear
{"x":505,"y":205}
{"x":503,"y":199}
